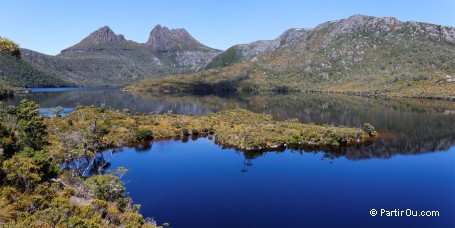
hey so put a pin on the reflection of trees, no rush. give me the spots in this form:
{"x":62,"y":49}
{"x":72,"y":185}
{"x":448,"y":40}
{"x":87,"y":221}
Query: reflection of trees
{"x":115,"y":99}
{"x":367,"y":150}
{"x":89,"y":165}
{"x":141,"y":146}
{"x":407,"y":145}
{"x":418,"y":126}
{"x":246,"y":163}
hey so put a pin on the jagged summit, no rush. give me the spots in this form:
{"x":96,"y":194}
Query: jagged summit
{"x":104,"y":35}
{"x":104,"y":58}
{"x":162,"y":39}
{"x":362,"y":23}
{"x":356,"y":47}
{"x":101,"y":36}
{"x":165,"y":39}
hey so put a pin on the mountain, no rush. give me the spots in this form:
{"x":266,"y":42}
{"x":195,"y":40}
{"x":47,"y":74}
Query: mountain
{"x":163,"y":39}
{"x":360,"y":54}
{"x":104,"y":58}
{"x":101,"y":36}
{"x":242,"y":52}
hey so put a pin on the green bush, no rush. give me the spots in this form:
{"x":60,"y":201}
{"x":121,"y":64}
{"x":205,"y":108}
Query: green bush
{"x":143,"y":134}
{"x":108,"y":187}
{"x":185,"y":132}
{"x":369,"y":129}
{"x":296,"y":138}
{"x":21,"y":171}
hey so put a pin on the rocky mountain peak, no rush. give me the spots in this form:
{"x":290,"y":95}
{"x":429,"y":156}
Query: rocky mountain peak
{"x":164,"y":39}
{"x":103,"y":35}
{"x":96,"y":40}
{"x":357,"y":19}
{"x":362,"y":23}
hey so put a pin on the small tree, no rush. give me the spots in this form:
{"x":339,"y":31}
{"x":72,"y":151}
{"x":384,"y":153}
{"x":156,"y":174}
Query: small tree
{"x":81,"y":147}
{"x":29,"y":126}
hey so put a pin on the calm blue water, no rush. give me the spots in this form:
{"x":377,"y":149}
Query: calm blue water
{"x":64,"y":89}
{"x":198,"y":184}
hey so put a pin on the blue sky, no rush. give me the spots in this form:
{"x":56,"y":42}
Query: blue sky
{"x":49,"y":26}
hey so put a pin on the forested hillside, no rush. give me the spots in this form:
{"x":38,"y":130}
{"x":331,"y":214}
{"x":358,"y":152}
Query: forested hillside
{"x":16,"y":72}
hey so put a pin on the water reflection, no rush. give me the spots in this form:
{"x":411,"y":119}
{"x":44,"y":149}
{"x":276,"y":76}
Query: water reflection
{"x":407,"y":126}
{"x":197,"y":184}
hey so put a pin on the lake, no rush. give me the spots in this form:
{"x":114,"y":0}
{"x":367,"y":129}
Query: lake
{"x":195,"y":183}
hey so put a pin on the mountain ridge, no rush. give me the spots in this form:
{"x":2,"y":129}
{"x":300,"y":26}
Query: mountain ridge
{"x":164,"y":39}
{"x":242,"y":52}
{"x":101,"y":36}
{"x":104,"y":58}
{"x":359,"y":54}
{"x":354,"y":23}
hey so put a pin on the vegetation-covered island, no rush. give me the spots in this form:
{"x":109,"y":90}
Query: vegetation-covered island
{"x":237,"y":128}
{"x":45,"y":162}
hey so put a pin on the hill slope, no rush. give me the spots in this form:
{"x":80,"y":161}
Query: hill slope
{"x":360,"y":54}
{"x":14,"y":71}
{"x":106,"y":59}
{"x":243,"y":52}
{"x":5,"y":90}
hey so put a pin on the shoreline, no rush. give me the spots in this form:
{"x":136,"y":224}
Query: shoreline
{"x":350,"y":93}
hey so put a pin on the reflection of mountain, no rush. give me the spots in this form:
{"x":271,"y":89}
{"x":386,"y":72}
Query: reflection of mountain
{"x":382,"y":148}
{"x":409,"y":126}
{"x":411,"y":145}
{"x":111,"y":98}
{"x":415,"y":126}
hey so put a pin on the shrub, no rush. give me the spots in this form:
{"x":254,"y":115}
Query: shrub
{"x":107,"y":187}
{"x":185,"y":132}
{"x":21,"y":171}
{"x":295,"y":138}
{"x":81,"y":222}
{"x":195,"y":131}
{"x":369,"y":129}
{"x":143,"y":134}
